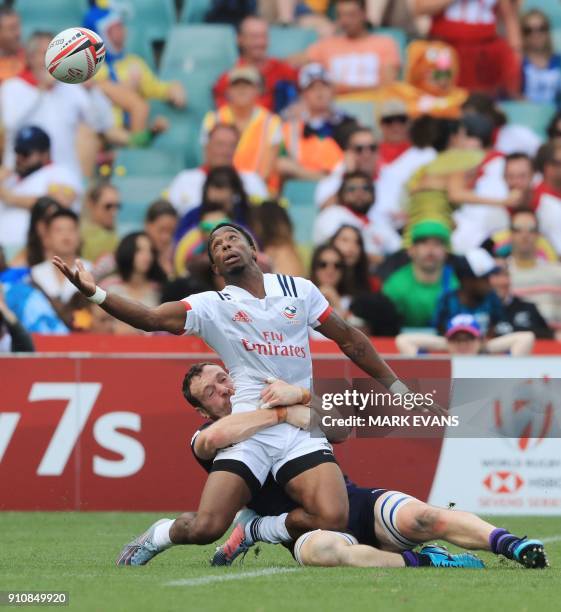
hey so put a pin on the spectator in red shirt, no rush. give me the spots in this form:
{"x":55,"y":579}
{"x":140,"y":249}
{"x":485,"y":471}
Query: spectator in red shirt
{"x":488,"y":62}
{"x":547,"y":196}
{"x":279,"y":78}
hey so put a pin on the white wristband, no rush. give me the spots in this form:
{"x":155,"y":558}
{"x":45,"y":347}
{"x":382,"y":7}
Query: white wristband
{"x":398,"y":388}
{"x":99,"y":296}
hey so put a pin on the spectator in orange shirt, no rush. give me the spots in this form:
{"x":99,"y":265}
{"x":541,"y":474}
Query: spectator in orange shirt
{"x":310,"y":148}
{"x":260,"y":130}
{"x":356,"y":60}
{"x":12,"y":54}
{"x":279,"y":78}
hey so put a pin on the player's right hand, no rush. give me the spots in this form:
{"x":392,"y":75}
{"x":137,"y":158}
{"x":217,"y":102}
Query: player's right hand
{"x":80,"y":277}
{"x":279,"y":393}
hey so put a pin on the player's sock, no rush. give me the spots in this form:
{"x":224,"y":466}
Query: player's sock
{"x":270,"y":529}
{"x":415,"y":559}
{"x":161,"y":537}
{"x":502,"y":542}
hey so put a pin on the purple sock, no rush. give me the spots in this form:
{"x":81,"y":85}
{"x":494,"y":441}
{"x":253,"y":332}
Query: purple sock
{"x":502,"y":542}
{"x":413,"y":559}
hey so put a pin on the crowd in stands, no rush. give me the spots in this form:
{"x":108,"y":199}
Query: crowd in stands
{"x":405,"y":156}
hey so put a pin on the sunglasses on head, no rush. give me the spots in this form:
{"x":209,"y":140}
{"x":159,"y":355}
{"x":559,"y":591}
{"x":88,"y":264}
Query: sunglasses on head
{"x":395,"y":119}
{"x":329,"y":264}
{"x":361,"y":148}
{"x":542,"y":29}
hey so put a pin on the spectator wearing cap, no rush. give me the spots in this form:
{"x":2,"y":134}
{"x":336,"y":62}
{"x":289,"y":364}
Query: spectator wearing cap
{"x":356,"y":60}
{"x":394,"y":126}
{"x":260,"y":130}
{"x":186,"y":190}
{"x":355,"y":198}
{"x":416,"y":287}
{"x":457,"y":176}
{"x":310,"y":147}
{"x":35,"y":176}
{"x":474,"y":295}
{"x":489,"y":63}
{"x":278,"y":77}
{"x":12,"y":54}
{"x":547,"y":196}
{"x":520,"y":315}
{"x":532,"y":276}
{"x":34,"y":97}
{"x":464,"y":337}
{"x":130,"y":69}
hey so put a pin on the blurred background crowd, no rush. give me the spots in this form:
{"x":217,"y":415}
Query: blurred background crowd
{"x":405,"y":155}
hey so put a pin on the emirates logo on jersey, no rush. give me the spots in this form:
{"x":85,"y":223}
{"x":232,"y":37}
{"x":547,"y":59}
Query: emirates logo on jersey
{"x":241,"y":317}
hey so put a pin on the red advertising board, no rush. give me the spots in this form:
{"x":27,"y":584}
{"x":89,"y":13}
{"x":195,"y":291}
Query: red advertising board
{"x":113,"y":433}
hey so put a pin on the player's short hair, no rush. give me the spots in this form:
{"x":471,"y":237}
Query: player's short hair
{"x":248,"y":237}
{"x":194,"y":370}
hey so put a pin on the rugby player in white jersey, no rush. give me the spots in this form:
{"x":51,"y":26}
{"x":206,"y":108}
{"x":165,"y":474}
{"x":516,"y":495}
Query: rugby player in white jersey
{"x":259,"y":326}
{"x":384,"y":525}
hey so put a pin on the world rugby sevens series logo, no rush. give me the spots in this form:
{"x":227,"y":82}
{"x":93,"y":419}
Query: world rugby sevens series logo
{"x":289,"y":312}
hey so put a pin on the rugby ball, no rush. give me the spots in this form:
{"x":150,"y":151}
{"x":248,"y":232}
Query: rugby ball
{"x":74,"y":55}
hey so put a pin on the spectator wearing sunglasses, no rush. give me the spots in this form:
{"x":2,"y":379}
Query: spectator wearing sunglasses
{"x":541,"y":67}
{"x":34,"y":176}
{"x":328,"y":274}
{"x":532,"y":278}
{"x":394,"y":127}
{"x":98,"y":229}
{"x":360,"y":153}
{"x":354,"y":201}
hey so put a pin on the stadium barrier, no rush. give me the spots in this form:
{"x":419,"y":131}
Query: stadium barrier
{"x":99,"y":432}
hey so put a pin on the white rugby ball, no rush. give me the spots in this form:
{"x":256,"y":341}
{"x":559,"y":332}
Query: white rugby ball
{"x":75,"y":55}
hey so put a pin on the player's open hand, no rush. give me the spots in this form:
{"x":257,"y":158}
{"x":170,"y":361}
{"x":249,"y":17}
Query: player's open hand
{"x":80,"y":277}
{"x":279,"y":393}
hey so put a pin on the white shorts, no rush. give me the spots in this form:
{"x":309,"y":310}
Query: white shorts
{"x":350,"y":539}
{"x":283,"y":450}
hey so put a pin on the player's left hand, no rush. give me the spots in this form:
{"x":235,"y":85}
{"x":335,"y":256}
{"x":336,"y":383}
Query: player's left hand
{"x":279,"y":393}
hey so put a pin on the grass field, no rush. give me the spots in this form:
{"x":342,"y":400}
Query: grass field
{"x":75,"y":552}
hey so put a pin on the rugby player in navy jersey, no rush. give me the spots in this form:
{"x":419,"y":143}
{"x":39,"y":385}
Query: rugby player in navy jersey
{"x":384,"y":526}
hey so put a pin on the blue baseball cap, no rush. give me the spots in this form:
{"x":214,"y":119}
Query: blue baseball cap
{"x":32,"y":138}
{"x":463,"y":322}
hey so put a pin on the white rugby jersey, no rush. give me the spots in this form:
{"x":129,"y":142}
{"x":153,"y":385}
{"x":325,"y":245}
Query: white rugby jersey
{"x":259,"y":338}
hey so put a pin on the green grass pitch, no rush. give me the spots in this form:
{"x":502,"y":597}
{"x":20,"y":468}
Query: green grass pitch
{"x":75,"y":552}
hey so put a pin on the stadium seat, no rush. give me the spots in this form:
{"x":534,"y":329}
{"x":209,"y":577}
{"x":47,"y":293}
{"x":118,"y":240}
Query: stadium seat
{"x":137,"y":193}
{"x":365,"y":112}
{"x":302,"y":210}
{"x":551,"y":9}
{"x":142,"y":46}
{"x":194,"y":11}
{"x":182,"y":140}
{"x":287,"y":41}
{"x":535,"y":116}
{"x":556,"y":37}
{"x":197,"y":55}
{"x":50,"y":15}
{"x":147,"y":162}
{"x":153,"y":19}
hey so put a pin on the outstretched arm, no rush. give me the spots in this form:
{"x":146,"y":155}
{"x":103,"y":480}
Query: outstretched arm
{"x":168,"y":317}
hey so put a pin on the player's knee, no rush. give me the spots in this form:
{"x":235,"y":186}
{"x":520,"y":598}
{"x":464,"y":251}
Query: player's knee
{"x":207,"y":528}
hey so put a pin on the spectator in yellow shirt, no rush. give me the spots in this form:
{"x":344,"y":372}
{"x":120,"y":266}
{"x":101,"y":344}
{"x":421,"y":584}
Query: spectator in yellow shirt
{"x":131,"y":70}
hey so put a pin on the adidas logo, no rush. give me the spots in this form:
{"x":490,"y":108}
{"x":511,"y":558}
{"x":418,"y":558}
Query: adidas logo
{"x":241,"y":317}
